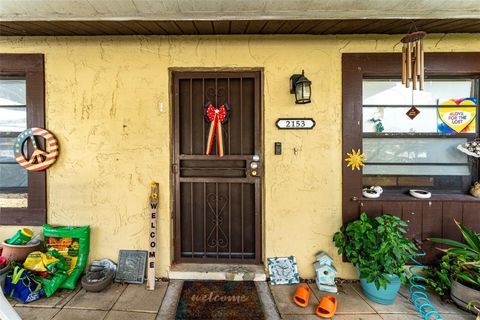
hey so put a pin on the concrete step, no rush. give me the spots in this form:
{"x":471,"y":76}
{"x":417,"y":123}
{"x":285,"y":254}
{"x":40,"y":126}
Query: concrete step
{"x":229,"y":272}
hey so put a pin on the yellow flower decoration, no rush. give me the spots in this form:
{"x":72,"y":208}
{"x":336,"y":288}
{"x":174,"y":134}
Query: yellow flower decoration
{"x":355,"y":159}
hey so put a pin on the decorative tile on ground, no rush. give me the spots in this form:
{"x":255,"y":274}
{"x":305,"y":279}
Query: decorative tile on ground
{"x":137,"y":298}
{"x":349,"y":301}
{"x":440,"y":306}
{"x":80,"y":314}
{"x":401,"y":304}
{"x":27,"y":313}
{"x":103,"y":300}
{"x":283,"y":296}
{"x":58,"y":300}
{"x":125,"y":315}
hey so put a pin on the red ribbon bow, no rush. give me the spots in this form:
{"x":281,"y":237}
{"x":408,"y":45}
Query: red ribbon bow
{"x":216,"y":116}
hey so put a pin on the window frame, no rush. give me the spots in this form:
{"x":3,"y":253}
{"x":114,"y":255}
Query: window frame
{"x":358,"y":66}
{"x":31,"y":67}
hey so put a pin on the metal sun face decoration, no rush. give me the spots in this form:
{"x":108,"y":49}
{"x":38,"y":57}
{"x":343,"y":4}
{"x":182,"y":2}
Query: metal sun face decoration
{"x":356,"y":159}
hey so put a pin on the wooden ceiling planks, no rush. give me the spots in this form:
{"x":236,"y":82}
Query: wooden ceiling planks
{"x":272,"y":26}
{"x":316,"y":27}
{"x":204,"y":27}
{"x":239,"y":26}
{"x":221,"y":27}
{"x":187,"y":27}
{"x":255,"y":27}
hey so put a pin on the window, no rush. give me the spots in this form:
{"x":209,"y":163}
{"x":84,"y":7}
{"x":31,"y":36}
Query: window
{"x":22,"y":193}
{"x":417,"y":148}
{"x":404,"y":152}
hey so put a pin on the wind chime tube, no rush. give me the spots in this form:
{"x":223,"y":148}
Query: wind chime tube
{"x":404,"y":69}
{"x":415,"y":65}
{"x":422,"y":67}
{"x":409,"y":64}
{"x":417,"y":56}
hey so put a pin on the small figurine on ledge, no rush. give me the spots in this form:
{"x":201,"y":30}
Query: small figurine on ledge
{"x":475,"y":190}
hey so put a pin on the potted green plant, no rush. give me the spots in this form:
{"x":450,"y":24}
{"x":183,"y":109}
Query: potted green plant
{"x":458,"y":271}
{"x":379,"y":250}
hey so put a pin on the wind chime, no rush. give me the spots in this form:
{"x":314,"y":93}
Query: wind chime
{"x":413,"y":60}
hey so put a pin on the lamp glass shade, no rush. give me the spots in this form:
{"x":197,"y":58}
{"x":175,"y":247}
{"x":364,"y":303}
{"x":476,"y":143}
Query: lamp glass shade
{"x":302,"y":91}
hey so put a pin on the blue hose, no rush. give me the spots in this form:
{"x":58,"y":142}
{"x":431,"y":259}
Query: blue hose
{"x":418,"y":293}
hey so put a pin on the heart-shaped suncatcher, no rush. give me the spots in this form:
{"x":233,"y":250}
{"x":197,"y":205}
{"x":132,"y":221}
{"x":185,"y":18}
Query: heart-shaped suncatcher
{"x":457,"y":118}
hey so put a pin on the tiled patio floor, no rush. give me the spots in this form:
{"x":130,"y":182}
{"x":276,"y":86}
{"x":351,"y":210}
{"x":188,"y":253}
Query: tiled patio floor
{"x":353,"y":305}
{"x":121,"y":302}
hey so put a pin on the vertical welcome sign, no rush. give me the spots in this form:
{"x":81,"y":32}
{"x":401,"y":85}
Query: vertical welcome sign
{"x":152,"y":243}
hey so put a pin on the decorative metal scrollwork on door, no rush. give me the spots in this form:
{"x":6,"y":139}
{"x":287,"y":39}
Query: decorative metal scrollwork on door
{"x":213,"y":93}
{"x":217,"y":237}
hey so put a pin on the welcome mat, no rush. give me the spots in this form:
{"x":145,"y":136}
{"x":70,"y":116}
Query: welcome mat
{"x":232,"y":300}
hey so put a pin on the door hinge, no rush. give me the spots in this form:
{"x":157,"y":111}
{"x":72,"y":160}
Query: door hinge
{"x":174,"y":168}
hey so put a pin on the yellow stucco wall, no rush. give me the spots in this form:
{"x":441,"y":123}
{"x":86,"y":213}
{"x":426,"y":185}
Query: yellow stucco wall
{"x":103,"y":97}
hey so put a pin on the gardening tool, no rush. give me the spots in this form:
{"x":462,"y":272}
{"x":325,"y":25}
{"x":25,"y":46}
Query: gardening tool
{"x":418,"y":294}
{"x":21,"y":237}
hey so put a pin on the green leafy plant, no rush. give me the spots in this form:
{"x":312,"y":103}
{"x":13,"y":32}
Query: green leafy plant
{"x":377,"y":246}
{"x":460,"y":262}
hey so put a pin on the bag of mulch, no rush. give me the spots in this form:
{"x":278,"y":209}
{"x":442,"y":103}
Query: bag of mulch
{"x":23,"y":286}
{"x":73,"y":244}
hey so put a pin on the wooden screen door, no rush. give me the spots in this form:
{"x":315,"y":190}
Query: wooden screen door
{"x":217,"y":199}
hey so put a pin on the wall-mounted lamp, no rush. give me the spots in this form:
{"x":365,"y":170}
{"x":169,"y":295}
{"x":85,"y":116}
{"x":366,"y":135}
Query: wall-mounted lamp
{"x":301,"y":87}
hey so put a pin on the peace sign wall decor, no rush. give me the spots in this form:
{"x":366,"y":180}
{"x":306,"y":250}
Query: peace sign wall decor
{"x":40,"y":159}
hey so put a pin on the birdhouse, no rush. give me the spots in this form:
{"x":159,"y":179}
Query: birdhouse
{"x":325,"y":273}
{"x":323,"y":258}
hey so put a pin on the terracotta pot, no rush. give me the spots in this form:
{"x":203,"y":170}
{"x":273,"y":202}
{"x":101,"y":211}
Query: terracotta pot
{"x":462,"y":295}
{"x":18,"y":252}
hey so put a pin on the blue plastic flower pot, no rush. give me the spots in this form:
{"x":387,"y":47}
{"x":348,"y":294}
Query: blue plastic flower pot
{"x":382,"y":296}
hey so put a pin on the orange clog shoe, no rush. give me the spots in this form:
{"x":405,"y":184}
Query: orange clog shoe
{"x":327,"y":307}
{"x":302,"y":295}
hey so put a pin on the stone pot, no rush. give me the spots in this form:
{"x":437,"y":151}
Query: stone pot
{"x":462,"y":295}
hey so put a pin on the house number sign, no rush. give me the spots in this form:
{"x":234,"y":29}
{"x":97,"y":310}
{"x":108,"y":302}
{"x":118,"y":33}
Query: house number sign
{"x":295,"y":123}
